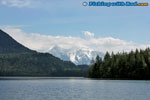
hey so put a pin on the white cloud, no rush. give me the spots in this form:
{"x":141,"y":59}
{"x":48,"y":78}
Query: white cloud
{"x":16,"y":3}
{"x":44,"y":43}
{"x":88,"y":34}
{"x":50,"y":5}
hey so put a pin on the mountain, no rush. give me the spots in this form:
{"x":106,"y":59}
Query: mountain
{"x":78,"y":56}
{"x":17,"y":60}
{"x":9,"y":45}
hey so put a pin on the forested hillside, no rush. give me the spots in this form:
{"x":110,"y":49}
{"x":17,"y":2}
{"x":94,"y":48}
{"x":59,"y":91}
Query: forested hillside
{"x":17,"y":60}
{"x":37,"y":64}
{"x":132,"y":65}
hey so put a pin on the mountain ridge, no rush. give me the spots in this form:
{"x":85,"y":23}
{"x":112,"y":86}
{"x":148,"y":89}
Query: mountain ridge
{"x":10,"y":45}
{"x":17,"y":60}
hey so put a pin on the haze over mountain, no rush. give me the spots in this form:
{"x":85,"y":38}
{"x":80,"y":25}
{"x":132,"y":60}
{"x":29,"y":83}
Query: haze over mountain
{"x":17,"y":60}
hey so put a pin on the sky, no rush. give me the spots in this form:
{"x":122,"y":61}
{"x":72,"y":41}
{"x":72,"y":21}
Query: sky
{"x":101,"y":28}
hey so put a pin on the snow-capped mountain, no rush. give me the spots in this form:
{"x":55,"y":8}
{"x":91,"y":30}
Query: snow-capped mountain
{"x":76,"y":55}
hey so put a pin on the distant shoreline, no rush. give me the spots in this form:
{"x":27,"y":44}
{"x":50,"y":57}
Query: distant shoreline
{"x":35,"y":78}
{"x":45,"y":78}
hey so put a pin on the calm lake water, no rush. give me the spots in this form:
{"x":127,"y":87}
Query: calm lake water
{"x":73,"y":89}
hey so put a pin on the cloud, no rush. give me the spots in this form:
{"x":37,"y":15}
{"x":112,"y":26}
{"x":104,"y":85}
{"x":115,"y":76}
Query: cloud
{"x":44,"y":43}
{"x":16,"y":3}
{"x":25,"y":3}
{"x":50,"y":5}
{"x":88,"y":34}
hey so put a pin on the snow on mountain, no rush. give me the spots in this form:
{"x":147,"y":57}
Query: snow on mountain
{"x":76,"y":55}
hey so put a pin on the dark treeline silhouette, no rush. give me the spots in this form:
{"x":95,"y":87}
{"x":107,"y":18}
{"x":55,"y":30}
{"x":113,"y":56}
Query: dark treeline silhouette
{"x":132,"y":65}
{"x":38,"y":64}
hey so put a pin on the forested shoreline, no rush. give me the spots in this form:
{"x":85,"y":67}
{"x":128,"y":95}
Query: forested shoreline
{"x":132,"y":65}
{"x":38,"y":64}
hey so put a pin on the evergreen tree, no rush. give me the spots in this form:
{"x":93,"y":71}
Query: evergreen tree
{"x":132,"y":65}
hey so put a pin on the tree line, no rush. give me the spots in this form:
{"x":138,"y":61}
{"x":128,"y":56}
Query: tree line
{"x":38,"y":64}
{"x":132,"y":65}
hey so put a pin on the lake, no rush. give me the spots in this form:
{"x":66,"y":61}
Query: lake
{"x":73,"y":89}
